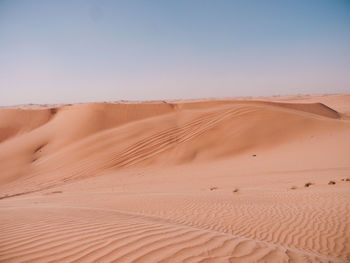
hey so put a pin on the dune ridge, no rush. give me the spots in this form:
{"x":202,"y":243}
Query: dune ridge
{"x":173,"y":131}
{"x":141,"y":182}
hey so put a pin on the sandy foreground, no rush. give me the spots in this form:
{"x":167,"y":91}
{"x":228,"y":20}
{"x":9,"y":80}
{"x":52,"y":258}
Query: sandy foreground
{"x":177,"y":181}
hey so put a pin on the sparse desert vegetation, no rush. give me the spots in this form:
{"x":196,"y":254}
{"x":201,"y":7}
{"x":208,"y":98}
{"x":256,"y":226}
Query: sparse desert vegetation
{"x":308,"y":184}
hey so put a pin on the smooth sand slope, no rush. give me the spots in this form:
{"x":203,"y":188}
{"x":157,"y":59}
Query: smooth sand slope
{"x":194,"y":181}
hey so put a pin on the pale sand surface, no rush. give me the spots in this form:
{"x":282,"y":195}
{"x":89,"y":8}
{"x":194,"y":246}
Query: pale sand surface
{"x":155,"y":181}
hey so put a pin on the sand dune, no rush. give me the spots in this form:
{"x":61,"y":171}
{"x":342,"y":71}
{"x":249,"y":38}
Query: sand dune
{"x":153,"y":182}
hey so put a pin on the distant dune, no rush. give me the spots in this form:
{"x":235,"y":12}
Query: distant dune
{"x":177,"y":181}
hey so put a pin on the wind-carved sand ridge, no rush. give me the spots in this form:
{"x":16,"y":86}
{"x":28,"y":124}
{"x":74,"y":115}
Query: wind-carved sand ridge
{"x":155,"y":182}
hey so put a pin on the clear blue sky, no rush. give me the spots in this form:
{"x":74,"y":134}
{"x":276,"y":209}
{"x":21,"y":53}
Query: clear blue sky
{"x":77,"y":51}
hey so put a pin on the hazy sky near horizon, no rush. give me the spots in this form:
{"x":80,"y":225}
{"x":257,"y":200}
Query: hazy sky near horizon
{"x":78,"y":51}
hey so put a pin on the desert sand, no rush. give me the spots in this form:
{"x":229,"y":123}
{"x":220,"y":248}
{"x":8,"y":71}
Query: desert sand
{"x":177,"y":181}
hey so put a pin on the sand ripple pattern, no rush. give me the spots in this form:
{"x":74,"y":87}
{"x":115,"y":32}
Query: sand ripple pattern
{"x":86,"y":235}
{"x":320,"y":225}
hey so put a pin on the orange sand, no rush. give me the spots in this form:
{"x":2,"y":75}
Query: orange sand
{"x":155,"y":181}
